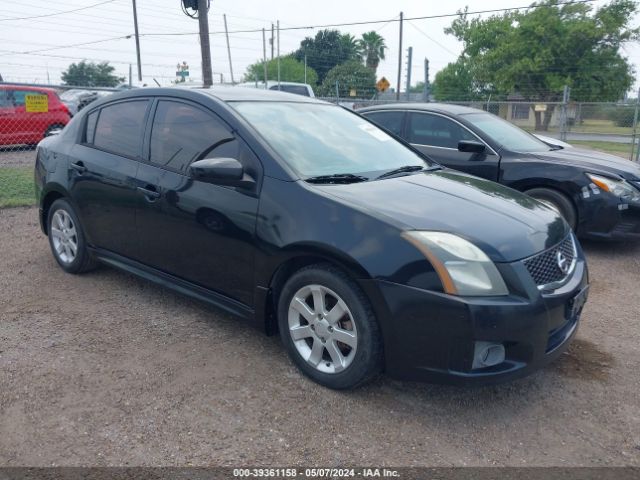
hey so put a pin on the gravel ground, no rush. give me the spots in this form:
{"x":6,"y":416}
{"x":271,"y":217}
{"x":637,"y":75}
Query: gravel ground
{"x":13,"y":157}
{"x":106,"y":369}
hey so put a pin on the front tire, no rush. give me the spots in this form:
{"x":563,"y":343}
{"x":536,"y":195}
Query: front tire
{"x":66,"y":238}
{"x":556,"y":201}
{"x":328,"y":328}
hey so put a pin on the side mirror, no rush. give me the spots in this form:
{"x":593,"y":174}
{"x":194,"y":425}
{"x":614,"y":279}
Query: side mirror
{"x":471,"y":146}
{"x":221,"y":171}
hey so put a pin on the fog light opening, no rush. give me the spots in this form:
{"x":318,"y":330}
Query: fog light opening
{"x":487,"y":354}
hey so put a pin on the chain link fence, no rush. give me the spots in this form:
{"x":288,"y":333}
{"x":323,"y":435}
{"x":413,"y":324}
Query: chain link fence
{"x":30,"y":112}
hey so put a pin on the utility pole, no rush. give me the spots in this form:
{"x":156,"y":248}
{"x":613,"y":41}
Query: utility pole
{"x":130,"y":75}
{"x":399,"y":59}
{"x":563,"y":113}
{"x":427,"y":85}
{"x":278,"y":27}
{"x":272,"y":41}
{"x":135,"y":27}
{"x":205,"y":47}
{"x":264,"y":56}
{"x":409,"y":62}
{"x":226,"y":32}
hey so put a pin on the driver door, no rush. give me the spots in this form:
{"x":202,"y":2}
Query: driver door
{"x":196,"y":231}
{"x":437,"y":136}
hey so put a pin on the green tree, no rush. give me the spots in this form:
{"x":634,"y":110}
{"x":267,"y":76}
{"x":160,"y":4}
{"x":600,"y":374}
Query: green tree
{"x":291,"y":70}
{"x":537,"y":51}
{"x":89,"y":74}
{"x":349,"y":76}
{"x":323,"y":52}
{"x":456,"y":81}
{"x":372,"y":48}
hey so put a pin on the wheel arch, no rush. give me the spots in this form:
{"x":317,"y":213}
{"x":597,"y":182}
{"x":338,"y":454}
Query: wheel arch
{"x":298,"y":257}
{"x":53,"y":193}
{"x":532,"y":183}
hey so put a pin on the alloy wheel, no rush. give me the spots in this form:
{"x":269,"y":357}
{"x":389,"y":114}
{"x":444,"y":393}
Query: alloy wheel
{"x":64,"y":236}
{"x":322,"y":329}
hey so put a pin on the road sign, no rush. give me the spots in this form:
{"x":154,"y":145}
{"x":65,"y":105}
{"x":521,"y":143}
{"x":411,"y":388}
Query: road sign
{"x":383,"y":84}
{"x":36,"y":103}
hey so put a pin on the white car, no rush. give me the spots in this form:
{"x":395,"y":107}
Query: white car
{"x":303,"y":89}
{"x":553,"y":142}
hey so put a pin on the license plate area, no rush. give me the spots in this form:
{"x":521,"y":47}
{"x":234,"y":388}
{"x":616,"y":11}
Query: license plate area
{"x":575,"y":305}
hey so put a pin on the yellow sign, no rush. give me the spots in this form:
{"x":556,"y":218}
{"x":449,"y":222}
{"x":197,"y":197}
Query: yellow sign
{"x":36,"y":103}
{"x":383,"y":84}
{"x":352,"y":92}
{"x":540,"y":107}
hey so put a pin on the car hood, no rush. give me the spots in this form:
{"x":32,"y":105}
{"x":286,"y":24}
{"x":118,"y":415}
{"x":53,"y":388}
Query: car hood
{"x":505,"y":224}
{"x":593,"y":161}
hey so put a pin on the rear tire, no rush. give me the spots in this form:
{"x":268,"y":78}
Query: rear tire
{"x":67,"y":240}
{"x":328,"y":328}
{"x":556,"y":201}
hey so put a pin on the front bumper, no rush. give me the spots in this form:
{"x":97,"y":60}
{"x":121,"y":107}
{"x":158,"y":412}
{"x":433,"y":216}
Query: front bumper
{"x":609,"y":219}
{"x":430,"y":336}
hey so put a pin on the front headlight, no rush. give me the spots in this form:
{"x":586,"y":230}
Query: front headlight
{"x":463,"y":268}
{"x":620,"y":188}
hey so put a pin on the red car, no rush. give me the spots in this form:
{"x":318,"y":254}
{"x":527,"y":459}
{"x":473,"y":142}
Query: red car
{"x":28,"y":114}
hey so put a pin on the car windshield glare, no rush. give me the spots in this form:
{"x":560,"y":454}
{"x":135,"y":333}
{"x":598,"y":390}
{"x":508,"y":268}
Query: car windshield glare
{"x":506,"y":134}
{"x":321,"y":139}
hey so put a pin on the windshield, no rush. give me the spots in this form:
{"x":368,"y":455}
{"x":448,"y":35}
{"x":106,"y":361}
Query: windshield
{"x":506,"y":134}
{"x":319,"y":139}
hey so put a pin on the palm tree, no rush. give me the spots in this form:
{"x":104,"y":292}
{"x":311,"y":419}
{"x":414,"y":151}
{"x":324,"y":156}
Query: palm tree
{"x":372,"y":49}
{"x":350,"y":47}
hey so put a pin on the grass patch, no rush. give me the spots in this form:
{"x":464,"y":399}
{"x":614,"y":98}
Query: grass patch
{"x":601,"y":126}
{"x":614,"y":148}
{"x":16,"y":187}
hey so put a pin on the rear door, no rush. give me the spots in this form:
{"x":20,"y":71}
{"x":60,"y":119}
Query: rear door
{"x":102,"y":172}
{"x":197,"y":231}
{"x":438,"y":137}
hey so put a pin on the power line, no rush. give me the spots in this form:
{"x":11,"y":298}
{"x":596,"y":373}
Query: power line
{"x":371,"y":22}
{"x":56,"y":13}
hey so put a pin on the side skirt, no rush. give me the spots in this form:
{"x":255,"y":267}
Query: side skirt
{"x":174,"y":283}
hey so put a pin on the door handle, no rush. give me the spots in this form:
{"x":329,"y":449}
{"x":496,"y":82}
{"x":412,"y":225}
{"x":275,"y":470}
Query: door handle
{"x":79,"y":167}
{"x":150,"y":193}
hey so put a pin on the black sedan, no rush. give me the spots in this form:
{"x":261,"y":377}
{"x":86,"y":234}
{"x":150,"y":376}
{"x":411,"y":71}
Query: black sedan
{"x":597,"y":194}
{"x":306,"y":219}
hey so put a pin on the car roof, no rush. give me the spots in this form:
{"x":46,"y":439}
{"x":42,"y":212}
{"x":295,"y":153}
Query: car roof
{"x":4,"y":86}
{"x":235,"y":94}
{"x":427,"y":107}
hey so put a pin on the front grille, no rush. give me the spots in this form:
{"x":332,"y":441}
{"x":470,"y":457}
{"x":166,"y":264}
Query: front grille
{"x":544,"y":267}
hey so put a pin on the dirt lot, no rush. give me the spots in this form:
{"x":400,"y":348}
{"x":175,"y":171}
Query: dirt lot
{"x":106,"y":369}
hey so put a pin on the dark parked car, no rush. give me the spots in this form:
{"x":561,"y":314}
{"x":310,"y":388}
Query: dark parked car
{"x":598,"y":194}
{"x":309,"y":220}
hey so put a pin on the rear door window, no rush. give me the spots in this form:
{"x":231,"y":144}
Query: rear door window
{"x":392,"y":121}
{"x":120,"y":128}
{"x":182,"y":134}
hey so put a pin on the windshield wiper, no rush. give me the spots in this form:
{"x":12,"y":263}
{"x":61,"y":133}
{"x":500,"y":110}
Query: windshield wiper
{"x":337,"y":178}
{"x":405,"y":169}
